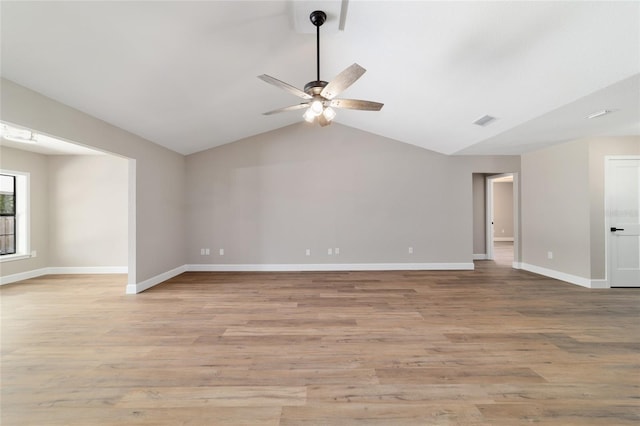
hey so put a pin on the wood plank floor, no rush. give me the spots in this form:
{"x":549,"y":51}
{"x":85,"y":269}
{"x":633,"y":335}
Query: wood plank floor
{"x":491,"y":346}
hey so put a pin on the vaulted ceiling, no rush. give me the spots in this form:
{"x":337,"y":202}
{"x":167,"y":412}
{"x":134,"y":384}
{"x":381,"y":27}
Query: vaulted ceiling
{"x":183,"y":74}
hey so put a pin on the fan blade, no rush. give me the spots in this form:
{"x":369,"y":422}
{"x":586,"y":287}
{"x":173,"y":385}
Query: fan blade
{"x":323,"y":121}
{"x":285,"y":109}
{"x":342,"y":81}
{"x":281,"y":84}
{"x":356,"y":104}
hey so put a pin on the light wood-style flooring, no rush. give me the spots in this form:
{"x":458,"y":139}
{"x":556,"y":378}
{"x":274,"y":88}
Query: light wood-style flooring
{"x":503,"y":253}
{"x":494,"y":346}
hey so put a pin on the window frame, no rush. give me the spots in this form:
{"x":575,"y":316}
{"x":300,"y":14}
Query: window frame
{"x":22,"y":216}
{"x":12,"y":214}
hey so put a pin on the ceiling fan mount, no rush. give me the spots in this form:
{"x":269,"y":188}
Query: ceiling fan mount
{"x":319,"y":95}
{"x":318,"y":18}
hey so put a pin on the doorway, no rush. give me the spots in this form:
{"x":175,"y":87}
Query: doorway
{"x":622,"y":198}
{"x":80,"y":214}
{"x":502,"y":218}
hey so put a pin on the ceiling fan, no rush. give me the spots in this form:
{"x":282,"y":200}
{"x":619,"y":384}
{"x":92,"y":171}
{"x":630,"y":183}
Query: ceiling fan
{"x":320,"y":96}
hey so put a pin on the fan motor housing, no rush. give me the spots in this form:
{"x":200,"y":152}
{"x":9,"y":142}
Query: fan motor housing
{"x":315,"y":87}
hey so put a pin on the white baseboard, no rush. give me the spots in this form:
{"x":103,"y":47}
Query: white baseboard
{"x":58,"y":270}
{"x":144,"y":285}
{"x":306,"y":267}
{"x":572,"y":279}
{"x":140,"y":287}
{"x":503,"y":239}
{"x":280,"y":267}
{"x":23,"y":276}
{"x":63,"y":270}
{"x":481,"y":256}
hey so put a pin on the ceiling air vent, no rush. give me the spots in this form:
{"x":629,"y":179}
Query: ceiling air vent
{"x":484,"y":120}
{"x":600,"y":113}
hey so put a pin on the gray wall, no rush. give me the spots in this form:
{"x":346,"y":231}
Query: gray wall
{"x":563,"y":204}
{"x":555,"y":214}
{"x":267,"y":198}
{"x":502,"y":210}
{"x":88,"y":210}
{"x":36,"y":166}
{"x":158,"y":187}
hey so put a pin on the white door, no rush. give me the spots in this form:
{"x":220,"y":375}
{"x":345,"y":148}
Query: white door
{"x":623,"y":196}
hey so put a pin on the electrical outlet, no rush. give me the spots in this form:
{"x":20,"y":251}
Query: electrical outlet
{"x":549,"y":255}
{"x":34,"y":253}
{"x":336,"y":251}
{"x":221,"y":251}
{"x":410,"y":250}
{"x":201,"y":252}
{"x":308,"y":252}
{"x":330,"y":252}
{"x":207,"y":251}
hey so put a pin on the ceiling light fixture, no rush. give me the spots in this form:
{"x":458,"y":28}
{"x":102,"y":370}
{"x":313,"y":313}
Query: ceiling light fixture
{"x":329,"y":113}
{"x":309,"y":116}
{"x":316,"y":107}
{"x":320,"y":96}
{"x":16,"y":134}
{"x":599,"y":113}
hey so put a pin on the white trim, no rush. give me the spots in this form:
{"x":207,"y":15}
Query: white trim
{"x":12,"y":257}
{"x":482,"y":256}
{"x":140,"y":287}
{"x":488,"y":185}
{"x":572,"y":279}
{"x":23,"y":276}
{"x":131,"y":222}
{"x":23,"y":214}
{"x":502,"y":239}
{"x":60,"y":270}
{"x":489,"y":238}
{"x":282,"y":267}
{"x":607,"y":216}
{"x":144,"y":285}
{"x":517,"y":237}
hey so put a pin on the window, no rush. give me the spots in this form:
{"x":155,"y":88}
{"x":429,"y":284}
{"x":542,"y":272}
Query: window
{"x":7,"y":214}
{"x":14,"y":217}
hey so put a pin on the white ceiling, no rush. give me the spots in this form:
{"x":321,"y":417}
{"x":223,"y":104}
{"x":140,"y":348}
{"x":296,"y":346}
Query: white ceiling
{"x":183,"y":74}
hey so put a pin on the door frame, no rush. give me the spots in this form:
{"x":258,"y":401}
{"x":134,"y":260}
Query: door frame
{"x":608,"y":159}
{"x":516,"y":216}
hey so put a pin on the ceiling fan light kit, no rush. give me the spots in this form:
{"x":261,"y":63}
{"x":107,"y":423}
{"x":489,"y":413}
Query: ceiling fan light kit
{"x":319,"y":96}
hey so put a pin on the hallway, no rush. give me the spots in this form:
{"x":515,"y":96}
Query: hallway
{"x":503,"y":253}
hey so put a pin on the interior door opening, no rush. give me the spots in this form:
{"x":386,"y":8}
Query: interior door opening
{"x":501,"y":219}
{"x":622,"y":227}
{"x":82,"y":201}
